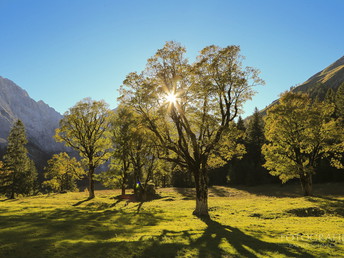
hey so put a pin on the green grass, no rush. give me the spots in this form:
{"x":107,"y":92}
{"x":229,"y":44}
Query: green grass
{"x":265,"y":221}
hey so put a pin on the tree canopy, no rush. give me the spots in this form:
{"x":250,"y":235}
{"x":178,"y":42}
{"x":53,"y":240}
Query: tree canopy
{"x":62,"y":172}
{"x":85,"y":128}
{"x":190,"y":107}
{"x":300,"y":132}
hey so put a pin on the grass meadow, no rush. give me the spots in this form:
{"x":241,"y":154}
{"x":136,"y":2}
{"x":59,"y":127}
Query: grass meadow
{"x":264,"y":221}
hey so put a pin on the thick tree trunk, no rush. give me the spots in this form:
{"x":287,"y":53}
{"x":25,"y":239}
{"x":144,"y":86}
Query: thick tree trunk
{"x":13,"y":186}
{"x":123,"y":189}
{"x":90,"y":182}
{"x":201,"y":184}
{"x":12,"y":194}
{"x":306,"y":184}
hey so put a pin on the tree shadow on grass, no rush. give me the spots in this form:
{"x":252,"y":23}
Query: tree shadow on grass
{"x":47,"y":233}
{"x":188,"y":193}
{"x":107,"y":233}
{"x":209,"y":244}
{"x":273,"y":190}
{"x":329,"y":205}
{"x":81,"y":202}
{"x":293,"y":189}
{"x":139,"y":206}
{"x":219,"y":191}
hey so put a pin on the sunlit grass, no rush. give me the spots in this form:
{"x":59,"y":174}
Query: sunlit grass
{"x":251,"y":222}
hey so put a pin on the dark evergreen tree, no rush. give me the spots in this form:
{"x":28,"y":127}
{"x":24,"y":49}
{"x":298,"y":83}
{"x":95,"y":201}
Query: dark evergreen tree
{"x":255,"y":131}
{"x":324,"y":171}
{"x":339,"y":101}
{"x":241,"y":124}
{"x":330,"y":96}
{"x":249,"y":169}
{"x":19,"y":173}
{"x":254,"y":141}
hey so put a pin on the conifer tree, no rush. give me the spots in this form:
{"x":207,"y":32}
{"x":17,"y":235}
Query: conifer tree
{"x":254,"y":141}
{"x":339,"y":101}
{"x":240,"y":124}
{"x":255,"y":131}
{"x":19,"y":173}
{"x":330,"y":96}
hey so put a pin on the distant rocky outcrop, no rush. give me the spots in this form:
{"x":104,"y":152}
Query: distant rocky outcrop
{"x":39,"y":119}
{"x":317,"y":85}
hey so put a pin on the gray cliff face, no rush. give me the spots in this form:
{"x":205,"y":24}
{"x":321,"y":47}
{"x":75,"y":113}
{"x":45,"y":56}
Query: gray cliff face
{"x":39,"y":119}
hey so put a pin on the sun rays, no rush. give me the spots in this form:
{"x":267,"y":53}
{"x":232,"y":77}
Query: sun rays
{"x":171,"y":98}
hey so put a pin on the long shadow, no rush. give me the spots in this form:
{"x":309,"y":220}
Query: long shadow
{"x":329,"y":204}
{"x":217,"y":191}
{"x":85,"y":233}
{"x":188,"y":193}
{"x":328,"y":198}
{"x":272,"y":190}
{"x":81,"y":202}
{"x":244,"y":244}
{"x":72,"y":232}
{"x":6,"y":200}
{"x":115,"y":203}
{"x":139,"y":206}
{"x":209,"y":244}
{"x":293,"y":189}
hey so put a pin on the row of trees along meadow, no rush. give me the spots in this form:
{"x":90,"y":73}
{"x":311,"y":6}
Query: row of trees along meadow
{"x":252,"y":168}
{"x":184,"y":114}
{"x":173,"y":114}
{"x":18,"y":174}
{"x":178,"y":118}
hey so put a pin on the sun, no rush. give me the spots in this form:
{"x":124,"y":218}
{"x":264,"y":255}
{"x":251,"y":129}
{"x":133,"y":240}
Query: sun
{"x":171,"y":98}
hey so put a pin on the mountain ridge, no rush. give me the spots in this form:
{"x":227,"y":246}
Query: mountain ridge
{"x":330,"y":77}
{"x":40,"y":120}
{"x":317,"y":85}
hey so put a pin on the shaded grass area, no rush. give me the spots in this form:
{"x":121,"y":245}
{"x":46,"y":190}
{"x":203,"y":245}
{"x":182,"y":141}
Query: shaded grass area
{"x":243,"y":224}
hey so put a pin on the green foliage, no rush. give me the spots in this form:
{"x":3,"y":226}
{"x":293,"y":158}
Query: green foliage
{"x":230,"y":147}
{"x":62,"y":172}
{"x":255,"y":131}
{"x":85,"y":128}
{"x":339,"y":101}
{"x":112,"y":179}
{"x":190,"y":107}
{"x":300,"y":133}
{"x":19,"y":173}
{"x":121,"y":124}
{"x":330,"y":96}
{"x":135,"y":155}
{"x":240,"y":124}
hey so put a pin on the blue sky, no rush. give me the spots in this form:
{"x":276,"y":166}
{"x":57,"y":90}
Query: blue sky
{"x":62,"y":51}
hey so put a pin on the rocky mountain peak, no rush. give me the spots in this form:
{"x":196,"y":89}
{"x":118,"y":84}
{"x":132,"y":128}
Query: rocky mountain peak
{"x":39,"y":119}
